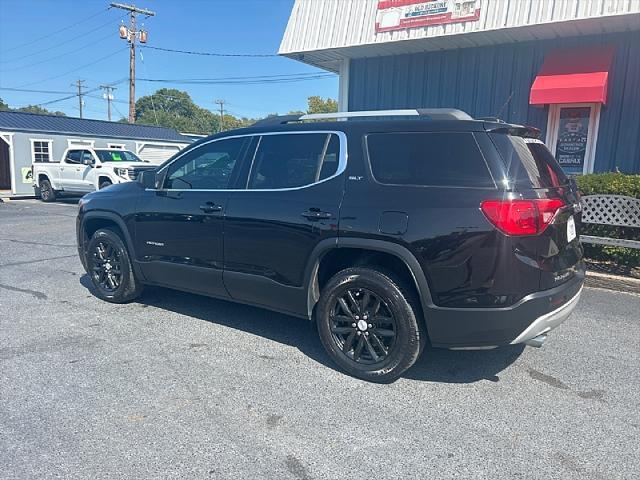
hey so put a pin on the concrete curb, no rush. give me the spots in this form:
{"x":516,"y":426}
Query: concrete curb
{"x":613,"y":282}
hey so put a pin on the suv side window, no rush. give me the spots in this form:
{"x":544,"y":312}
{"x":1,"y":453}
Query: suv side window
{"x":74,"y":156}
{"x":294,"y":160}
{"x":441,"y":159}
{"x":208,"y":167}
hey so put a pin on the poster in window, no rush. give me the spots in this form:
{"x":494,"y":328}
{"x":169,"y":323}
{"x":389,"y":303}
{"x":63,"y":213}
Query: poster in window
{"x":573,"y":132}
{"x":401,"y":14}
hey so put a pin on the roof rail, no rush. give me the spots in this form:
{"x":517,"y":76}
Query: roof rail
{"x":432,"y":113}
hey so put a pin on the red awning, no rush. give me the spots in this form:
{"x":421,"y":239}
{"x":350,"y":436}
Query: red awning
{"x":577,"y":75}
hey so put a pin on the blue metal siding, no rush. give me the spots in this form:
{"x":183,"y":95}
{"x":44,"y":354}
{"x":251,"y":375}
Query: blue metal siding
{"x":496,"y":80}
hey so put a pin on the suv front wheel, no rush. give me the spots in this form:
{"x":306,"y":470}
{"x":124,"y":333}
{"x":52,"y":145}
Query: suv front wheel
{"x":368,"y":325}
{"x":110,"y":268}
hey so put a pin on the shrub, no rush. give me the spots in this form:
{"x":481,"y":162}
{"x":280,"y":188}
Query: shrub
{"x":611,"y":184}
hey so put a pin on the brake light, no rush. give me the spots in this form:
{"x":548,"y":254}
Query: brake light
{"x":521,"y":217}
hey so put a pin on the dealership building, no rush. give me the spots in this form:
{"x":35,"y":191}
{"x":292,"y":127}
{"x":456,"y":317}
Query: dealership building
{"x":568,"y":67}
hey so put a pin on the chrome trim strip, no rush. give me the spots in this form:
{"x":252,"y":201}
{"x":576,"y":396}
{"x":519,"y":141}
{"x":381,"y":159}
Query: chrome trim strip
{"x":342,"y":163}
{"x":548,"y":321}
{"x":409,"y":112}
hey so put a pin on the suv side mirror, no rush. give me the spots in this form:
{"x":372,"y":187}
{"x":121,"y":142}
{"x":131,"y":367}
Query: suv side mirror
{"x":87,"y":161}
{"x":148,"y":179}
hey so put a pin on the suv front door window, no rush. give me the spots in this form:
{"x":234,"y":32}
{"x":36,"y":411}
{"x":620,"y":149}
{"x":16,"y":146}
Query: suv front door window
{"x":179,"y":227}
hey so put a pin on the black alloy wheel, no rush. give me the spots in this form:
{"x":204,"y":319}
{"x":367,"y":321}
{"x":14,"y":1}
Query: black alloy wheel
{"x":110,"y":268}
{"x":107,"y":266}
{"x":363,"y":326}
{"x":368,"y":322}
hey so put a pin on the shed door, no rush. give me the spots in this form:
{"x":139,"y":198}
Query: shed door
{"x":155,"y":153}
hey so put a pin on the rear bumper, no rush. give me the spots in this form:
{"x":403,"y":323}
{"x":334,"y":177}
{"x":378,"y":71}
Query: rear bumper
{"x":549,"y":321}
{"x":534,"y":315}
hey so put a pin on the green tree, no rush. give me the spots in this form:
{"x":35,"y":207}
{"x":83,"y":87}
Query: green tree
{"x":29,"y":109}
{"x":317,"y":104}
{"x":38,"y":109}
{"x":174,"y":108}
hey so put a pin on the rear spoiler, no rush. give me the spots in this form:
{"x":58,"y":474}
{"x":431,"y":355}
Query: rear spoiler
{"x":525,"y":131}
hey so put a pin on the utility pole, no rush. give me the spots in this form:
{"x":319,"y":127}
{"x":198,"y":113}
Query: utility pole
{"x":131,"y":34}
{"x":108,"y":96}
{"x":79,"y":84}
{"x":221,"y":103}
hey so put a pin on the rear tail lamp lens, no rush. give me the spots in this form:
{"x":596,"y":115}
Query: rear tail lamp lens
{"x":521,"y":217}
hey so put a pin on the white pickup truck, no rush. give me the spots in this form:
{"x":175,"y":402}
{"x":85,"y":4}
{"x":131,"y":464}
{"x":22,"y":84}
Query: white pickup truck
{"x":83,"y":170}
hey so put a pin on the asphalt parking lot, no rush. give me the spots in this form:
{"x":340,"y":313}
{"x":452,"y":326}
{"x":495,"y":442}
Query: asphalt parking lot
{"x":181,"y":386}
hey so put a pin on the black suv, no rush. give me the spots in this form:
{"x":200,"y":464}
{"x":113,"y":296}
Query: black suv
{"x":385,"y":232}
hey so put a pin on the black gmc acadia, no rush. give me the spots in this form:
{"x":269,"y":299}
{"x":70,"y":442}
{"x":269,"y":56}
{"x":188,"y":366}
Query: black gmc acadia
{"x":387,"y":233}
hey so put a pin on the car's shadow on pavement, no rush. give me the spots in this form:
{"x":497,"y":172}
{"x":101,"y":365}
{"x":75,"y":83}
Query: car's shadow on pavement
{"x":435,"y":365}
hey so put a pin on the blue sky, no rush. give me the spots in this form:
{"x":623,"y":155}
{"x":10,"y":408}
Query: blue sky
{"x":226,"y":26}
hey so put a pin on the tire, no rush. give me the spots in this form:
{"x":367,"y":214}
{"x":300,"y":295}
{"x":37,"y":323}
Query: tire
{"x":47,"y":193}
{"x":110,"y":269}
{"x":403,"y":337}
{"x":104,"y":184}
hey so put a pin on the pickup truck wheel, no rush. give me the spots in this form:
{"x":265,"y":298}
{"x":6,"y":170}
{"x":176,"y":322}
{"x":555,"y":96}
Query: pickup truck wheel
{"x":47,"y":193}
{"x":367,"y":324}
{"x":109,"y":266}
{"x":104,"y":184}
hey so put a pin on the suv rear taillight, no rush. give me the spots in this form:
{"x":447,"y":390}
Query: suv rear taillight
{"x":521,"y":217}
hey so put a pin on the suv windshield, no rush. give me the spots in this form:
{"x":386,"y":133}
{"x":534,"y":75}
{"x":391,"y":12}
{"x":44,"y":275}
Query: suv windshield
{"x":529,"y":161}
{"x":117,"y":156}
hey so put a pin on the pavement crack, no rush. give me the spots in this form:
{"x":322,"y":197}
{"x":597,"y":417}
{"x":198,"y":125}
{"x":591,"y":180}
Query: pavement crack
{"x":548,"y":379}
{"x":27,"y":242}
{"x":27,"y":262}
{"x":35,"y":293}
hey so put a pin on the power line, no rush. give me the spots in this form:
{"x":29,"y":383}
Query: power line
{"x":264,"y":79}
{"x":72,"y":39}
{"x":79,"y":84}
{"x":72,"y":71}
{"x":108,"y":95}
{"x":22,"y":67}
{"x":36,"y":40}
{"x":132,"y":34}
{"x":214,"y":54}
{"x":221,"y":103}
{"x":58,"y":92}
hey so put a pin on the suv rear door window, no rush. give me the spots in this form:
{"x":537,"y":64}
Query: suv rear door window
{"x":529,"y":161}
{"x":442,"y":159}
{"x":294,"y":160}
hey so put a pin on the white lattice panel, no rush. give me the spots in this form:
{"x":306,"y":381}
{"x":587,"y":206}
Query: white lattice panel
{"x":616,"y":210}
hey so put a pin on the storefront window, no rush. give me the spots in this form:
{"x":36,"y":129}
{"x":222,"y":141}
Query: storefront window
{"x":572,"y":136}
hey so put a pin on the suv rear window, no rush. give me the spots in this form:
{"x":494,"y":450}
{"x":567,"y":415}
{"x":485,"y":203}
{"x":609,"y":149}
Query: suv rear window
{"x":442,"y":159}
{"x":529,"y":162}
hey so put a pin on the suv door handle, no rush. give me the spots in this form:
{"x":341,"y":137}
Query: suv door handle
{"x":316,"y":214}
{"x":210,"y":207}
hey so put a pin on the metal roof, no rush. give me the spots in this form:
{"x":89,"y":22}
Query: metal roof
{"x":35,"y":122}
{"x":323,"y":32}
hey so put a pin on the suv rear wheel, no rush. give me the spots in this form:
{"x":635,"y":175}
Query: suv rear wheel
{"x":110,"y":268}
{"x":368,"y":325}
